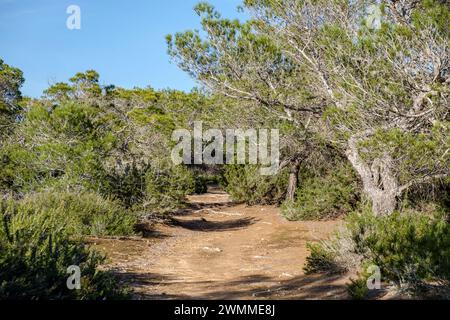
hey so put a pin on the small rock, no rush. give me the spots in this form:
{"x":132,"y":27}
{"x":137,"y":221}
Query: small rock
{"x":212,"y":249}
{"x":285,"y":274}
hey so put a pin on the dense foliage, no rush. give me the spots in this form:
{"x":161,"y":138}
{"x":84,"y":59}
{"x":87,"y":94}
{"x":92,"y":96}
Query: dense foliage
{"x":327,"y":188}
{"x":36,"y":249}
{"x":369,"y":80}
{"x":84,"y":160}
{"x":11,"y":79}
{"x":245,"y":184}
{"x":361,"y":103}
{"x":410,"y":248}
{"x":377,"y":87}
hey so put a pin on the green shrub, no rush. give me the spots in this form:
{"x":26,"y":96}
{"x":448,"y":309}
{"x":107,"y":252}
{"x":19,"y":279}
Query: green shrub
{"x":203,"y":179}
{"x":201,"y":184}
{"x":320,"y":260}
{"x":84,"y":213}
{"x":35,"y":252}
{"x":357,"y":288}
{"x":167,"y":186}
{"x":245,"y":184}
{"x":411,"y":249}
{"x":127,"y":186}
{"x":323,"y":196}
{"x":62,"y":147}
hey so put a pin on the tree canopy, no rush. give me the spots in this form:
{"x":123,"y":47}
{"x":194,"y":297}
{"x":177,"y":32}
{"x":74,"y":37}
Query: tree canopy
{"x":380,"y":93}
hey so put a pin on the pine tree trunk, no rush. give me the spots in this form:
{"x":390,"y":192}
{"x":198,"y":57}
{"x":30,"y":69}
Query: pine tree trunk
{"x":293,"y":180}
{"x":379,"y":183}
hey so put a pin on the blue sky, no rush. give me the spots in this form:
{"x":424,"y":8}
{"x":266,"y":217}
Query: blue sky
{"x":123,"y":40}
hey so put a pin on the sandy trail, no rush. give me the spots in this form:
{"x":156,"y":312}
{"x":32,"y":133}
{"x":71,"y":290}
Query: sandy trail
{"x":221,"y":250}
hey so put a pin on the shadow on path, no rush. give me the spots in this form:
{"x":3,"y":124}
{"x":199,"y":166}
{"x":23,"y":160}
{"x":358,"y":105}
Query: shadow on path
{"x":319,"y":286}
{"x":201,"y":224}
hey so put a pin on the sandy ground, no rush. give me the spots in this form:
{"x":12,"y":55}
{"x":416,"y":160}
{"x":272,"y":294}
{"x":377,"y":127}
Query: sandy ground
{"x":220,"y":250}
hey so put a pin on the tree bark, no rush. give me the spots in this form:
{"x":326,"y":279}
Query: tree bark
{"x":293,"y":180}
{"x":378,"y":181}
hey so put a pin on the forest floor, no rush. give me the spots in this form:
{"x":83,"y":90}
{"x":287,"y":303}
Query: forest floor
{"x":217,"y":249}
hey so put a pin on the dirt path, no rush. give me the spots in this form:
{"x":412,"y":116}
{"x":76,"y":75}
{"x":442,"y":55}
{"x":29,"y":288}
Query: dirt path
{"x":220,"y":250}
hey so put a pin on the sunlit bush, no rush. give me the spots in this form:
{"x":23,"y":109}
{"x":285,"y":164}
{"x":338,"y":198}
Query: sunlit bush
{"x":245,"y":184}
{"x":36,"y":249}
{"x":323,"y":196}
{"x":167,"y":186}
{"x":412,"y":249}
{"x":82,"y":214}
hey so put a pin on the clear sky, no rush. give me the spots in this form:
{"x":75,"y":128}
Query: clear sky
{"x":123,"y":40}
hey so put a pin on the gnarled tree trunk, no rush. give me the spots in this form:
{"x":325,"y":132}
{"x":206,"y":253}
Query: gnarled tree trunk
{"x":379,"y":183}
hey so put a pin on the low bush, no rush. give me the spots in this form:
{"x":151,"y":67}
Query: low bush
{"x":320,"y":260}
{"x":411,"y":249}
{"x":324,"y":195}
{"x":167,"y":186}
{"x":35,"y":252}
{"x":83,"y":214}
{"x":201,"y":184}
{"x":245,"y":184}
{"x":127,"y":185}
{"x":357,"y":288}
